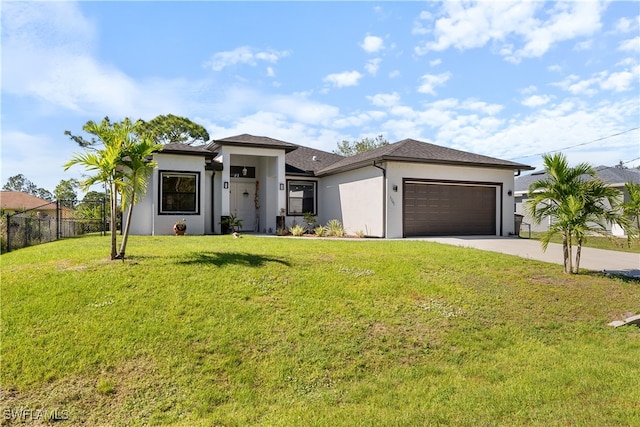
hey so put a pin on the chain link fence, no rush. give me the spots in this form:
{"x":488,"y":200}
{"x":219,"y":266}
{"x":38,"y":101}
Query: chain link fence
{"x":52,"y":221}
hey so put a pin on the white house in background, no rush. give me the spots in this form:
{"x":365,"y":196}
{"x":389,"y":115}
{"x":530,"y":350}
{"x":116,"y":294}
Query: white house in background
{"x":409,"y":188}
{"x":612,"y":176}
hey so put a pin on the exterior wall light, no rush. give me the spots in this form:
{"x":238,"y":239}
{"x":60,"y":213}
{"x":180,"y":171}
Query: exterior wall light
{"x":226,"y":184}
{"x":282,"y":186}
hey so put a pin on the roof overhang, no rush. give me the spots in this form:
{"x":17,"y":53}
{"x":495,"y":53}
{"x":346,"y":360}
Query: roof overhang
{"x":370,"y":162}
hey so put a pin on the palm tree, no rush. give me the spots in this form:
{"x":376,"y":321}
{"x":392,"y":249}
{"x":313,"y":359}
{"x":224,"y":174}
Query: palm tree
{"x":106,"y":162}
{"x":576,"y":202}
{"x":138,"y":167}
{"x":631,"y":207}
{"x":600,"y":206}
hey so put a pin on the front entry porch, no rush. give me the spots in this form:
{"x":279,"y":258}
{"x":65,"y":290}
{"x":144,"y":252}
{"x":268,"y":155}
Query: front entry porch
{"x":250,"y":187}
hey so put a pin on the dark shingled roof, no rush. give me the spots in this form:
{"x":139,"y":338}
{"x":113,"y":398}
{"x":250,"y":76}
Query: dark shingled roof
{"x":610,"y":175}
{"x":178,"y":148}
{"x":410,"y":150}
{"x":247,"y":140}
{"x":308,"y":161}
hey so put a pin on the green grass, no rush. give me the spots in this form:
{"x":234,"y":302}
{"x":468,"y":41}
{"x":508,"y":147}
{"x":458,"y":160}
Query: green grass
{"x":211,"y":330}
{"x":610,"y":243}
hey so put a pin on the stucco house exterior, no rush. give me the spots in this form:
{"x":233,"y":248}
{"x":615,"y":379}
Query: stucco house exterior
{"x":408,"y":188}
{"x":612,"y":176}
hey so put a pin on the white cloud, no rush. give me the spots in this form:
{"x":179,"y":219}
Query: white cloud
{"x":372,"y":44}
{"x":243,"y":55}
{"x":270,"y":72}
{"x":357,"y":120}
{"x":20,"y":151}
{"x":393,"y":74}
{"x":626,"y":25}
{"x":565,"y":124}
{"x":430,"y":81}
{"x":435,"y":62}
{"x":418,"y":26}
{"x":536,"y":101}
{"x":372,"y":66}
{"x":630,"y":45}
{"x":481,"y":106}
{"x":604,"y":80}
{"x":584,"y":45}
{"x":344,"y":79}
{"x":618,"y":82}
{"x":299,"y":109}
{"x":50,"y":45}
{"x":473,"y":25}
{"x":384,"y":99}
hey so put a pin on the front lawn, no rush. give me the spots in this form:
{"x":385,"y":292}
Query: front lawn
{"x":212,"y":330}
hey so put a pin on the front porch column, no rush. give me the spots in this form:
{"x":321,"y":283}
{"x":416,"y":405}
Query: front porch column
{"x":225,"y":204}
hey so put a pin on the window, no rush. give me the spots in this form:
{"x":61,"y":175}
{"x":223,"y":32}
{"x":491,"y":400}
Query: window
{"x":301,"y":197}
{"x":179,"y":192}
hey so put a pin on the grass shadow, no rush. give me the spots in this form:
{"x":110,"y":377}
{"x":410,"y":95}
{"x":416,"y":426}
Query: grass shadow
{"x":220,"y":259}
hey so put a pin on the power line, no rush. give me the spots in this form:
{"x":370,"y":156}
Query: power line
{"x":579,"y":145}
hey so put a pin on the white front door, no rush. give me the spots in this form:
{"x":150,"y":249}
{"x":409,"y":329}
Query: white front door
{"x":242,"y":202}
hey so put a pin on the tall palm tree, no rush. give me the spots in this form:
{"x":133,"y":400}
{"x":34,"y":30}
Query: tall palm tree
{"x":138,"y":167}
{"x":576,"y":202}
{"x":105,"y":162}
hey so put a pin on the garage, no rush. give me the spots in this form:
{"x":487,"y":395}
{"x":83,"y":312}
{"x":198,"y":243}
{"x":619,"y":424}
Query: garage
{"x":449,"y":208}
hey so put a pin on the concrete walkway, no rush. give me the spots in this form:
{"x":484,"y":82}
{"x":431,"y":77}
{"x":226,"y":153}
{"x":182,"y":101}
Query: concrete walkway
{"x":591,"y":259}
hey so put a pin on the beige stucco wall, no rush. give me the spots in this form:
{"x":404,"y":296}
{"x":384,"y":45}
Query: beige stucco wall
{"x":355,"y":198}
{"x":147,"y":221}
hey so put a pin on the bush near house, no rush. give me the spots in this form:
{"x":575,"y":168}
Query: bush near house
{"x":264,"y":331}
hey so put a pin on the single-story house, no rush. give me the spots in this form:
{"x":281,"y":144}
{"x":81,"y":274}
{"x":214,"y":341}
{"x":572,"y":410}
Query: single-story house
{"x":612,"y":176}
{"x":408,"y":188}
{"x":17,"y":201}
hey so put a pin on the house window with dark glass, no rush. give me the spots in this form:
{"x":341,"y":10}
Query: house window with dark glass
{"x":179,"y":192}
{"x":301,"y":197}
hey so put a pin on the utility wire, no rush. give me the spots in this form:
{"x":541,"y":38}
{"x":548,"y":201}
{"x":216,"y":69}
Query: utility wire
{"x":632,"y":160}
{"x":579,"y":145}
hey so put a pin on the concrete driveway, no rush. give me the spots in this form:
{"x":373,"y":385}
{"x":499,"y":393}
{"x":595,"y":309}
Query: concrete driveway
{"x":591,"y":259}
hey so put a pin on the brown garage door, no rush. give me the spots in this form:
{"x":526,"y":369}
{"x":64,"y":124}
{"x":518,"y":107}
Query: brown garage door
{"x":437,"y":209}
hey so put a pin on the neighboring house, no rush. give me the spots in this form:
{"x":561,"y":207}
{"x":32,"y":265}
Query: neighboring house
{"x":612,"y":176}
{"x":17,"y":201}
{"x":409,"y":188}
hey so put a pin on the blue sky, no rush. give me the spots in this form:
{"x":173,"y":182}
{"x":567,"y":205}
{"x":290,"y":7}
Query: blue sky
{"x":505,"y":79}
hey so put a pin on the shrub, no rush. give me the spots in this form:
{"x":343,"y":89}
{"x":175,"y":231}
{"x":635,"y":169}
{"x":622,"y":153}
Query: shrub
{"x":334,"y":228}
{"x":360,"y":234}
{"x":319,"y":230}
{"x":310,"y":220}
{"x":297,"y":230}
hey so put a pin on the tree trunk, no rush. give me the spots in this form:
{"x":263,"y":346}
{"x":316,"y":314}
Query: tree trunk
{"x":578,"y":251}
{"x":125,"y":234}
{"x":566,"y":250}
{"x":114,"y":222}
